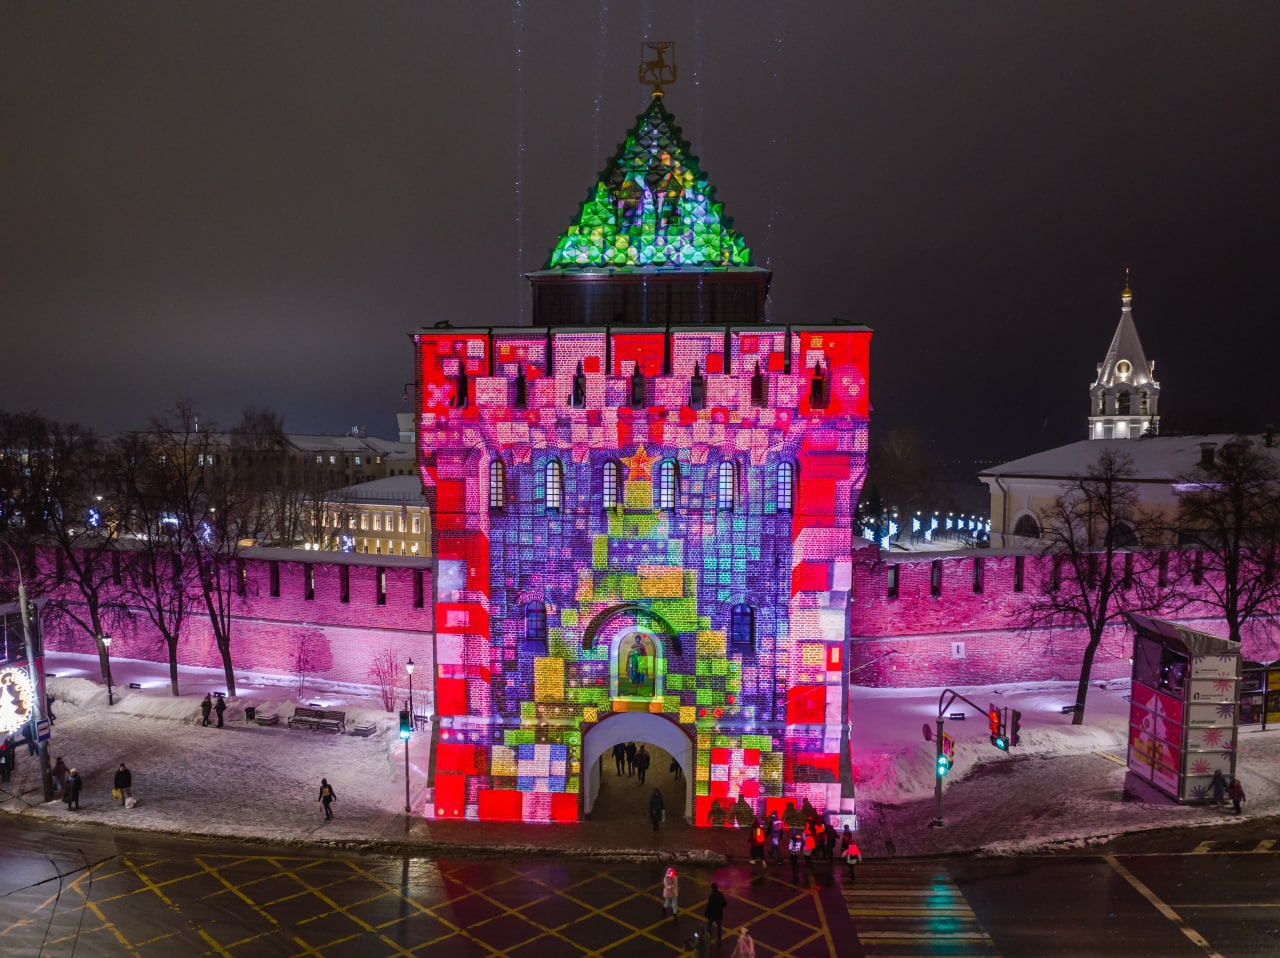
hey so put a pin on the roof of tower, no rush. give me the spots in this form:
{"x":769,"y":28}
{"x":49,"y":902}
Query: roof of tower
{"x":651,"y":207}
{"x":1125,"y":348}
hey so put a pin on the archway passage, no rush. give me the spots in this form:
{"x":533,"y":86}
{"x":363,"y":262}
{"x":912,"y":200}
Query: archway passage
{"x":621,"y":798}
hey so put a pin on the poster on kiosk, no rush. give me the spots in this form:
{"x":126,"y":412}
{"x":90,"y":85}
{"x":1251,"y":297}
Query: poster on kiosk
{"x":1184,"y":717}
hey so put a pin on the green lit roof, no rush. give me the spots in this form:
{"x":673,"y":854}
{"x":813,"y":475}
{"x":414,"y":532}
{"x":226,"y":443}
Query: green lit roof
{"x":652,"y":206}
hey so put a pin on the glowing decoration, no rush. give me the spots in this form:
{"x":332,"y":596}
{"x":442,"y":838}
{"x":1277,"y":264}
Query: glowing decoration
{"x":16,"y":699}
{"x":639,"y":465}
{"x":652,"y":206}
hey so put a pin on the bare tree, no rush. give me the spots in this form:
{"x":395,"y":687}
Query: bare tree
{"x":385,"y":672}
{"x":1229,"y":525}
{"x":1096,"y":571}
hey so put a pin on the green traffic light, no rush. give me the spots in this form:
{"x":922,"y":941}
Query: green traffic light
{"x":1000,"y":742}
{"x":944,"y":766}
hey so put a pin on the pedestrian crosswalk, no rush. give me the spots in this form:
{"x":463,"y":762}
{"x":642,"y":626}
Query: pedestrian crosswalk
{"x":912,"y":910}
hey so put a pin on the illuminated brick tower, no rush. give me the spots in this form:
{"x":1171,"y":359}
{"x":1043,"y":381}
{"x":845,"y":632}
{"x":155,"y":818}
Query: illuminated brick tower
{"x":643,"y":516}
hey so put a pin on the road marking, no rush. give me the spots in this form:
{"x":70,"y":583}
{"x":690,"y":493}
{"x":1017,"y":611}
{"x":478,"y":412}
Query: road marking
{"x":1192,"y":935}
{"x":1203,"y":848}
{"x":1265,"y":845}
{"x":1112,"y":758}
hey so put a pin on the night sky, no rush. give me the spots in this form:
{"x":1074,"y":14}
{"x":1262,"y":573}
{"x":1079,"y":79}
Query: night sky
{"x":253,"y":203}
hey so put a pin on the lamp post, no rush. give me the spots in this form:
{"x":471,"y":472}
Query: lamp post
{"x":106,"y":644}
{"x":408,"y":667}
{"x":405,"y":735}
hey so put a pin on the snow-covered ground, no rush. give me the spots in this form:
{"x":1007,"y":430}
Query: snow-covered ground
{"x":1063,"y":785}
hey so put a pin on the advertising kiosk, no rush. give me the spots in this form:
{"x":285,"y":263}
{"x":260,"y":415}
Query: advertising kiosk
{"x":1184,"y":715}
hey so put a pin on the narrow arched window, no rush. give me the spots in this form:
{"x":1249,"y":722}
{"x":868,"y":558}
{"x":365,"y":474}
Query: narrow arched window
{"x":759,"y":390}
{"x":554,"y":493}
{"x":1102,"y":404}
{"x":724,"y":488}
{"x":1027,"y":528}
{"x":668,"y":484}
{"x":742,"y":627}
{"x":535,"y":627}
{"x":1144,"y":403}
{"x":497,"y":484}
{"x":786,"y":486}
{"x":610,"y":487}
{"x":1122,"y":404}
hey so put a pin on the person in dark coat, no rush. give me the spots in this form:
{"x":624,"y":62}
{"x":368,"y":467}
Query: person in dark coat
{"x":631,"y":758}
{"x":620,"y":756}
{"x":715,"y":911}
{"x":7,"y":758}
{"x":220,"y":706}
{"x":642,"y":763}
{"x":327,"y":797}
{"x":123,"y":783}
{"x":71,"y":794}
{"x":655,"y":808}
{"x":59,"y":775}
{"x":206,"y":706}
{"x":1219,"y":786}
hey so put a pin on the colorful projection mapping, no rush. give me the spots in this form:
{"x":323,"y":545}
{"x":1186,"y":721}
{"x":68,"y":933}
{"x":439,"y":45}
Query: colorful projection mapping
{"x":644,"y":534}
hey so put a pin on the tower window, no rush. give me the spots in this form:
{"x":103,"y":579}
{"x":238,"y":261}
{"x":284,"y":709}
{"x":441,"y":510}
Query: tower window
{"x":1027,"y":528}
{"x":637,"y":388}
{"x":1019,"y":572}
{"x":891,"y":581}
{"x":1122,"y":404}
{"x":1144,"y":403}
{"x":697,"y":389}
{"x":759,"y":388}
{"x":725,"y":488}
{"x":610,"y":486}
{"x":979,"y":574}
{"x":578,"y":397}
{"x":535,"y":627}
{"x":742,"y":627}
{"x":818,"y":388}
{"x":668,"y":484}
{"x":786,"y":486}
{"x":1102,"y":404}
{"x":935,"y":577}
{"x":554,"y":495}
{"x":497,"y":484}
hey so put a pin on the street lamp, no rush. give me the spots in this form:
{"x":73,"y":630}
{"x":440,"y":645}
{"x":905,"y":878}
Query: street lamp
{"x":106,"y":644}
{"x":405,"y":733}
{"x":408,"y":667}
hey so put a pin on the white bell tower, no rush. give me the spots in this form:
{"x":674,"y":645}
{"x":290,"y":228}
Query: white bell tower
{"x":1124,"y":399}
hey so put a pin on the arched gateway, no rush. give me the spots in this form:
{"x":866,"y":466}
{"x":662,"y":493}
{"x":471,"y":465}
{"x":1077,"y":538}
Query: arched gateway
{"x":635,"y":727}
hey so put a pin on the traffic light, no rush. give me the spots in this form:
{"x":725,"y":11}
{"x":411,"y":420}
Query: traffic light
{"x":406,"y":726}
{"x":946,"y":757}
{"x":1015,"y":726}
{"x":995,"y":723}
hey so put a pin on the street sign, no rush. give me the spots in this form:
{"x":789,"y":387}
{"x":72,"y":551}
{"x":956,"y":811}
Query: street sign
{"x":42,"y":730}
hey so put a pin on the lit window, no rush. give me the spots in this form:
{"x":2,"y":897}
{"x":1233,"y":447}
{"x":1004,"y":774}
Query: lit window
{"x":611,"y":486}
{"x":535,"y":627}
{"x":497,"y":484}
{"x":377,"y":522}
{"x":668,"y":484}
{"x":786,"y":486}
{"x":333,"y":460}
{"x":357,"y":460}
{"x":742,"y":627}
{"x":364,"y":520}
{"x":555,"y":485}
{"x":724,"y":488}
{"x":417,"y":524}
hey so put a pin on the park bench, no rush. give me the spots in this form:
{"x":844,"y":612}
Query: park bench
{"x":323,"y":719}
{"x":263,"y":719}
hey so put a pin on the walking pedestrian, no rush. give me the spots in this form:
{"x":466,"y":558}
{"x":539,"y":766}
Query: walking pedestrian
{"x":72,"y":792}
{"x":746,"y":948}
{"x":642,"y":763}
{"x":33,"y":738}
{"x":59,"y":775}
{"x":631,"y":759}
{"x":206,"y":706}
{"x":220,"y":706}
{"x":846,"y":839}
{"x":670,"y":893}
{"x":809,"y":845}
{"x":620,"y":756}
{"x":1236,"y":794}
{"x":755,"y":839}
{"x":716,"y":903}
{"x":48,"y":708}
{"x":774,"y":827}
{"x":676,"y":770}
{"x":327,"y":798}
{"x":656,"y":810}
{"x":794,"y":847}
{"x":123,"y":783}
{"x":852,"y":857}
{"x":7,"y":758}
{"x":1219,"y":786}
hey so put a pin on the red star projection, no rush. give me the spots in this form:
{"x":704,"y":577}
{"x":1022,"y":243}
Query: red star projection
{"x":639,"y":464}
